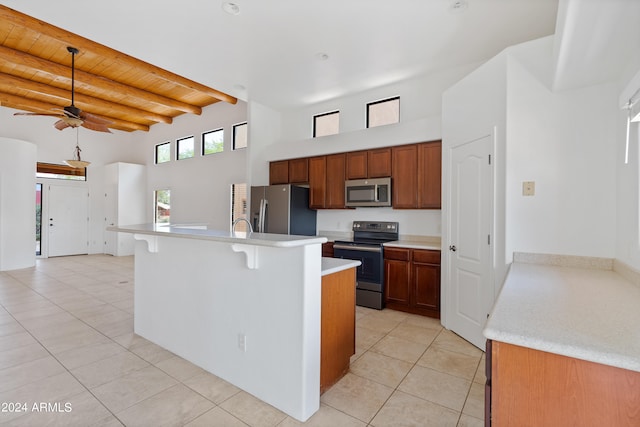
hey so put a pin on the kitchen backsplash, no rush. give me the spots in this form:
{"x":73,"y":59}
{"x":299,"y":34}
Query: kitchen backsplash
{"x":412,"y":222}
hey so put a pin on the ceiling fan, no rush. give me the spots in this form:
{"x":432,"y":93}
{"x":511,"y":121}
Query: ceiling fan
{"x":72,"y":116}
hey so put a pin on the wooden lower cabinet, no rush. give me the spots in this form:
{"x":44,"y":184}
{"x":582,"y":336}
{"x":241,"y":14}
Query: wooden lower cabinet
{"x":327,"y":249}
{"x":534,"y":388}
{"x":337,"y":326}
{"x":412,"y":280}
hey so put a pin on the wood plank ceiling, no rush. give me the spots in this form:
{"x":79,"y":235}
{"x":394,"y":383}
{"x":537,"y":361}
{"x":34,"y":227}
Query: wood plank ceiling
{"x":35,"y":76}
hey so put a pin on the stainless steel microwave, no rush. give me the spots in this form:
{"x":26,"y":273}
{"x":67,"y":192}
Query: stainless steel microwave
{"x":367,"y":192}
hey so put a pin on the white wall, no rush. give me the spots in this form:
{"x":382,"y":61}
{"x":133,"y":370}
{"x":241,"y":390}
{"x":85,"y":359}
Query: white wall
{"x":54,"y":146}
{"x":565,"y":143}
{"x":200,"y":186}
{"x":474,"y":108}
{"x":628,"y":175}
{"x":420,"y":120}
{"x":265,"y":129}
{"x":17,"y":204}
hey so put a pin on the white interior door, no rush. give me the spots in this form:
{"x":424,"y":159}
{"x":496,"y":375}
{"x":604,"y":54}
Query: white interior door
{"x":471,"y":289}
{"x":67,"y":220}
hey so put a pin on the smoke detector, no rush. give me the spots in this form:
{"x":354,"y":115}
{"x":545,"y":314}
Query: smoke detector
{"x":231,"y":8}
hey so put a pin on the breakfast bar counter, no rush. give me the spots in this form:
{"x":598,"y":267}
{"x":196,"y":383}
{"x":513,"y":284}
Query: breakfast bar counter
{"x":243,"y":306}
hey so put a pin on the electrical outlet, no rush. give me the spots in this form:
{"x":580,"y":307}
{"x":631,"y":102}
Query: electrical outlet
{"x":528,"y":188}
{"x":242,"y":342}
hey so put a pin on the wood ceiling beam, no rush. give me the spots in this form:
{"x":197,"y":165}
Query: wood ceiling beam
{"x":58,"y":71}
{"x":84,"y":102}
{"x":85,"y":44}
{"x":34,"y":106}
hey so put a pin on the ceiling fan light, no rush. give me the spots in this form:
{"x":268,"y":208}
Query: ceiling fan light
{"x":77,"y":163}
{"x":73,"y":122}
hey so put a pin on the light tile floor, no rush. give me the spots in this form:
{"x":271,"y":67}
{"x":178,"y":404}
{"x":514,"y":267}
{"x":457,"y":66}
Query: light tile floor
{"x":69,"y":357}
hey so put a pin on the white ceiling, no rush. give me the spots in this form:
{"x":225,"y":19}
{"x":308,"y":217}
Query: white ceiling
{"x":595,"y":41}
{"x":268,"y":53}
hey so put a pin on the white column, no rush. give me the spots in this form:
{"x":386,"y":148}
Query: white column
{"x":17,"y":204}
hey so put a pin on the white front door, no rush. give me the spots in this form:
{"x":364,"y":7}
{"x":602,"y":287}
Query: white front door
{"x":67,"y":220}
{"x":471,"y":292}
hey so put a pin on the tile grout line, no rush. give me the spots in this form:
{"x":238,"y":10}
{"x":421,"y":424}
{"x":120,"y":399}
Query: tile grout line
{"x":55,"y":358}
{"x":112,"y":340}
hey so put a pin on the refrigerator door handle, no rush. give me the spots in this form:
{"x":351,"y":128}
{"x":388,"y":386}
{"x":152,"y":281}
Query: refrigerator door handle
{"x":259,"y":225}
{"x":265,"y":205}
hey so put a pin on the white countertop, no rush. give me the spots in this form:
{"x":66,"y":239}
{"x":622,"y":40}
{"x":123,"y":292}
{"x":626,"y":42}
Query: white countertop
{"x":334,"y":265}
{"x":587,"y":314}
{"x":201,"y":232}
{"x":432,"y":245}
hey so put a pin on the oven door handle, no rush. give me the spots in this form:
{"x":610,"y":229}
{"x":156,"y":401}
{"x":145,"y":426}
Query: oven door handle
{"x":357,"y":248}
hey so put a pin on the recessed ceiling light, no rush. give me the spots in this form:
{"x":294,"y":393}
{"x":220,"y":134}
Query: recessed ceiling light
{"x":321,"y":56}
{"x":459,"y":5}
{"x":231,"y":8}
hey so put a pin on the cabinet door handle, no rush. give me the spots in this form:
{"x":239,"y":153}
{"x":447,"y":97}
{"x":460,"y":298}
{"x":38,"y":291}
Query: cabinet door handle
{"x":453,"y":248}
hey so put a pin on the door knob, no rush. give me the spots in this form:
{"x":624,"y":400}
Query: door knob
{"x":453,"y":248}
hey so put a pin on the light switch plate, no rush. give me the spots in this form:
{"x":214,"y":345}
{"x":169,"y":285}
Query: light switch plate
{"x":528,"y":188}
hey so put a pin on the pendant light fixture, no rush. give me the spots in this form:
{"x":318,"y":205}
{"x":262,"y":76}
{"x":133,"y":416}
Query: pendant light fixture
{"x":77,"y":161}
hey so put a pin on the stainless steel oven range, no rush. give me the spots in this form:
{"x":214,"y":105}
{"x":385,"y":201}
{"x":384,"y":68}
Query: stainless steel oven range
{"x":366,"y":247}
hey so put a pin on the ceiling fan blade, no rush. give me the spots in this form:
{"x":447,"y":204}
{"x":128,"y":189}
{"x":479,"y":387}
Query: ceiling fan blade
{"x":61,"y":124}
{"x":38,"y":114}
{"x":94,"y":119}
{"x":99,"y":127}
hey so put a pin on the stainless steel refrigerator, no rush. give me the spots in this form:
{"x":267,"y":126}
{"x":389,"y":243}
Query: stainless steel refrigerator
{"x":282,"y":209}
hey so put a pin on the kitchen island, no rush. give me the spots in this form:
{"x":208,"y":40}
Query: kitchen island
{"x":564,"y":348}
{"x":243,"y":306}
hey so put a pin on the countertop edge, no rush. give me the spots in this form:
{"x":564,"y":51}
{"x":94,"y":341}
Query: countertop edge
{"x":255,"y":239}
{"x":413,"y":245}
{"x":562,"y":349}
{"x":335,"y":265}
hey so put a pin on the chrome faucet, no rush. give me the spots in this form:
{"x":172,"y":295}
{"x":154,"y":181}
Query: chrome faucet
{"x":233,"y":227}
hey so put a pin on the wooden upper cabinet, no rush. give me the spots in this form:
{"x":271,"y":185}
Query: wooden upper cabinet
{"x":369,"y":164}
{"x":429,"y":175}
{"x":415,"y":170}
{"x":334,"y":198}
{"x":379,"y":163}
{"x":317,"y":182}
{"x":279,"y":172}
{"x":299,"y":171}
{"x":357,"y":165}
{"x":404,"y":174}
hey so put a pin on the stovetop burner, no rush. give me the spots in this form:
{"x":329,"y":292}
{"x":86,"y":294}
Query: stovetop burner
{"x":374,"y":232}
